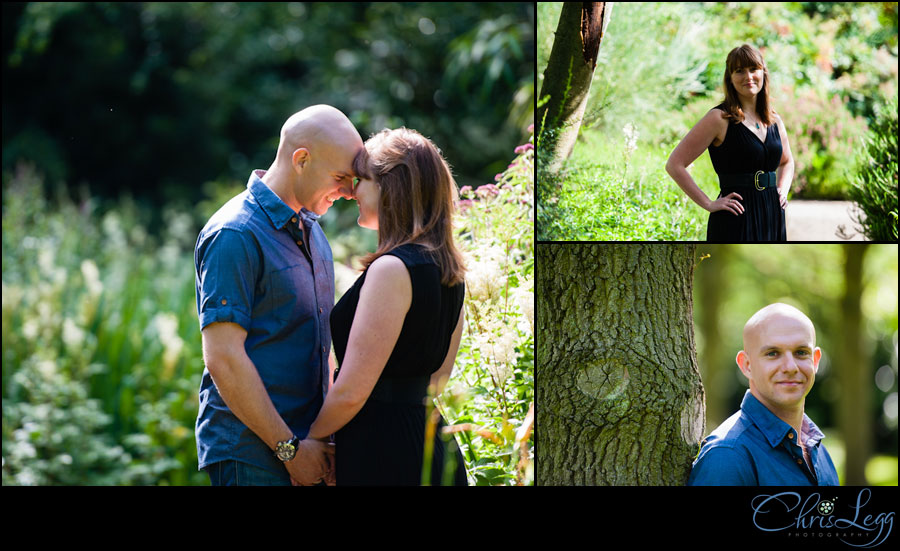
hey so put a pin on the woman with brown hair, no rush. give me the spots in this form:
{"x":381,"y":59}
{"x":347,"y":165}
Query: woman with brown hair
{"x":396,"y":331}
{"x":749,"y":150}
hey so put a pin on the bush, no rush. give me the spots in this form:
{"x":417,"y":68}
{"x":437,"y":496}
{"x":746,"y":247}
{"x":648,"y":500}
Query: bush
{"x":874,"y":186}
{"x":822,"y":134}
{"x":490,"y":398}
{"x":98,"y":385}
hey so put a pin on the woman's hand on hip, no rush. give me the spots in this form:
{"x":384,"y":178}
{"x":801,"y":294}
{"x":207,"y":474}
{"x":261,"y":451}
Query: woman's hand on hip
{"x":731,"y":203}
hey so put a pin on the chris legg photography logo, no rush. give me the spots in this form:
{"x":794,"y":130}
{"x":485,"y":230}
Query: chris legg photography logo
{"x":821,"y":516}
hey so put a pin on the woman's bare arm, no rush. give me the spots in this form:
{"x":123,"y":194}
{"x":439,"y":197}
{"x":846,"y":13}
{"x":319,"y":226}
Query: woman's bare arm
{"x":688,"y":150}
{"x":384,"y":300}
{"x":784,"y":174}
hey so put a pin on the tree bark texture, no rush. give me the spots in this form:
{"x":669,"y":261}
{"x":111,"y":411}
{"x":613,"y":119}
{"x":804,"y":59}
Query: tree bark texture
{"x":567,"y":78}
{"x":619,"y":396}
{"x":854,"y":371}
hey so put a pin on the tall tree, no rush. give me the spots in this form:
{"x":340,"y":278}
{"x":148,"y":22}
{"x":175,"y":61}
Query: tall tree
{"x":619,"y":396}
{"x":567,"y":78}
{"x":854,"y":371}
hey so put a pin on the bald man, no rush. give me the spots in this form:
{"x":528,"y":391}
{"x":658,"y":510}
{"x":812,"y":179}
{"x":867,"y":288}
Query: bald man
{"x":265,"y":289}
{"x":770,"y":441}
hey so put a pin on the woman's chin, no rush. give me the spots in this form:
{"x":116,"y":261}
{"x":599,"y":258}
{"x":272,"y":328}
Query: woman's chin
{"x":366,"y":224}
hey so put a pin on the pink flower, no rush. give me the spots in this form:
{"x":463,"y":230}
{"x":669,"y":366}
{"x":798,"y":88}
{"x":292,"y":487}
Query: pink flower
{"x":465,"y":191}
{"x":487,"y":190}
{"x":531,"y":128}
{"x":523,"y":148}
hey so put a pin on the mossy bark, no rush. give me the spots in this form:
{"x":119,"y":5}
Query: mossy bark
{"x":619,"y":397}
{"x":567,"y":78}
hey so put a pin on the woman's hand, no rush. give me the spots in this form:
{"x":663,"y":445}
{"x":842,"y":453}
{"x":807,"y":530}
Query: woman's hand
{"x":731,"y":203}
{"x":782,"y":198}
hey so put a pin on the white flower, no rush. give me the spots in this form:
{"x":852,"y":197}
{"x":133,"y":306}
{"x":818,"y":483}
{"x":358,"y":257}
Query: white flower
{"x":72,"y":335}
{"x":484,"y":277}
{"x":525,"y":300}
{"x":631,"y":137}
{"x":91,"y":277}
{"x":166,"y":324}
{"x":499,"y":353}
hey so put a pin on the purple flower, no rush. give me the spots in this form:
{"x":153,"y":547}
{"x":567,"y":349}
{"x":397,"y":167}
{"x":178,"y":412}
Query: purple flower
{"x":465,"y":191}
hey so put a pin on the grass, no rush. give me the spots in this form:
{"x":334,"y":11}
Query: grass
{"x":606,"y":196}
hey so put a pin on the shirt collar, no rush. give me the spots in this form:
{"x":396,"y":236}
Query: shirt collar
{"x":773,"y":428}
{"x":276,"y":209}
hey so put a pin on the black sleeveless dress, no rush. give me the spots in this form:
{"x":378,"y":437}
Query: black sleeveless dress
{"x":385,"y":443}
{"x":742,"y":152}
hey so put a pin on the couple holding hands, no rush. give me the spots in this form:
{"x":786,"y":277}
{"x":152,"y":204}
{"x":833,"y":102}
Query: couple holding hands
{"x":271,"y":410}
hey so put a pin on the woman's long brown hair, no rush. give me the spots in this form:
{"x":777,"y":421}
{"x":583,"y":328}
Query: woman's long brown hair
{"x":418,"y":197}
{"x":742,"y":57}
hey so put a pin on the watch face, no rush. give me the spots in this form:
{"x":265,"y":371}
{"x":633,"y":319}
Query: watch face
{"x":285,"y":451}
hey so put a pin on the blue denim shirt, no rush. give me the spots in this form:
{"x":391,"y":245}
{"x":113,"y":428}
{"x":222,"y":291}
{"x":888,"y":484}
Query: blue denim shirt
{"x":254,"y":269}
{"x":756,"y":448}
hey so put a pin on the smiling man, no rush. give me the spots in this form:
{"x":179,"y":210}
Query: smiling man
{"x":265,"y":289}
{"x":770,"y":441}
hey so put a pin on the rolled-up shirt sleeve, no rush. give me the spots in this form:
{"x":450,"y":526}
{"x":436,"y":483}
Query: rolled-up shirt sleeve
{"x":722,"y":466}
{"x":226,"y":269}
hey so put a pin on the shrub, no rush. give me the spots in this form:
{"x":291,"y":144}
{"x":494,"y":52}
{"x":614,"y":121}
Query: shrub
{"x":490,"y":398}
{"x":874,"y":186}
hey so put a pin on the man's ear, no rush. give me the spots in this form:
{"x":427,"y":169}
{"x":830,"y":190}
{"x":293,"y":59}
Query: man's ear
{"x":817,"y":355}
{"x":300,"y":158}
{"x":743,"y":362}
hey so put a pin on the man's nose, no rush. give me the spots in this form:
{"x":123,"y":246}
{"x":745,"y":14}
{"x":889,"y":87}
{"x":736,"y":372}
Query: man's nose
{"x":790,"y":363}
{"x":346,"y":191}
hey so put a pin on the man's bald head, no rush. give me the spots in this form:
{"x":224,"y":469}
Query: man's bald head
{"x":314,"y":163}
{"x":767,"y":315}
{"x":317,"y":127}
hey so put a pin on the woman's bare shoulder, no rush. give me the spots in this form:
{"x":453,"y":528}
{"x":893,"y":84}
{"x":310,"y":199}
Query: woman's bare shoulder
{"x":716,"y":119}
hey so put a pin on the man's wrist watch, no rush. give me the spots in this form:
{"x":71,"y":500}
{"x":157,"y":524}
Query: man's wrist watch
{"x":287,"y":449}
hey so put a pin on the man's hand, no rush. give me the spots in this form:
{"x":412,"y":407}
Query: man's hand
{"x":311,"y":464}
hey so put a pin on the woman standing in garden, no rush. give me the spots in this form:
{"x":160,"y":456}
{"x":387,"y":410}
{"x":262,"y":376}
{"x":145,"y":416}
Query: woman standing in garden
{"x":397,"y":330}
{"x":749,"y":150}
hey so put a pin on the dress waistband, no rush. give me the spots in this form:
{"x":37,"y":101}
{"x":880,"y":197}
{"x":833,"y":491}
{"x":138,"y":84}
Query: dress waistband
{"x":411,"y":390}
{"x":759,"y":180}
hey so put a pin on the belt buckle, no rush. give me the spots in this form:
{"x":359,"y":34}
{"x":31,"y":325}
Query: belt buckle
{"x":756,"y":180}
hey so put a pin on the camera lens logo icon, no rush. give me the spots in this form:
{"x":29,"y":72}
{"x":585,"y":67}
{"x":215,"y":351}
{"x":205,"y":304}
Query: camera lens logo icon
{"x":826,"y":507}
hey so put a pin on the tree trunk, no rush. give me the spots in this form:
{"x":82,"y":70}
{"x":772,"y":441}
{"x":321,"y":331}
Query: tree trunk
{"x":619,"y":396}
{"x":567,"y":78}
{"x":854,"y":372}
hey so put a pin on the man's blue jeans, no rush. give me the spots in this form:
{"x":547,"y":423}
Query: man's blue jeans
{"x":235,"y":473}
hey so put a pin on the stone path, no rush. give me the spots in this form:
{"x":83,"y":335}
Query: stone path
{"x":819,"y":221}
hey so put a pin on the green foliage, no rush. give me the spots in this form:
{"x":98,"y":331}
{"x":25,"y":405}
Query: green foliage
{"x":602,"y":197}
{"x":490,"y":397}
{"x":99,"y":381}
{"x":159,"y":98}
{"x":101,"y":345}
{"x":822,"y":136}
{"x":875,"y":182}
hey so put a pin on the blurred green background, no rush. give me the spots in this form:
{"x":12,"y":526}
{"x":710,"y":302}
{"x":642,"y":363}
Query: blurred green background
{"x":161,"y":98}
{"x":854,"y":399}
{"x":833,"y":73}
{"x":127,"y":125}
